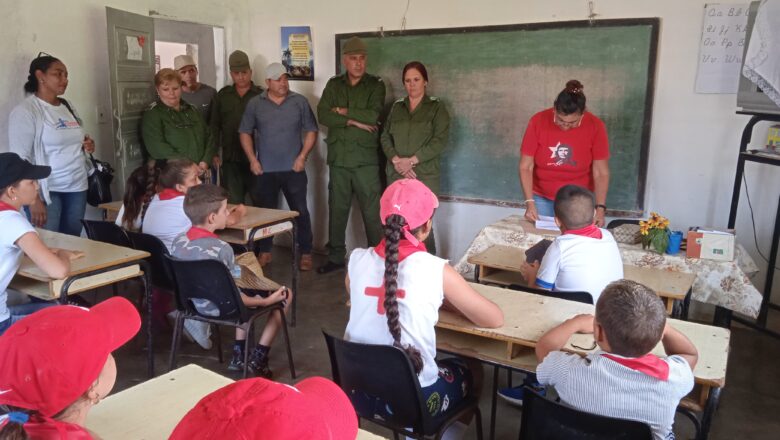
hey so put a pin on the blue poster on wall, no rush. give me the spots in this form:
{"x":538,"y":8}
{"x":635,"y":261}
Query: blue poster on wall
{"x":298,"y":52}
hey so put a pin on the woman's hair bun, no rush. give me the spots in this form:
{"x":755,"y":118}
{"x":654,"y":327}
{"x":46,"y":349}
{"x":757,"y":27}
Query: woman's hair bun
{"x":574,"y":86}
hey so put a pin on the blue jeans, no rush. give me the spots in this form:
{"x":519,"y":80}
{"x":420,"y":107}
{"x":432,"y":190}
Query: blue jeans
{"x":265,"y":194}
{"x":19,"y":311}
{"x":65,"y":212}
{"x":544,"y":206}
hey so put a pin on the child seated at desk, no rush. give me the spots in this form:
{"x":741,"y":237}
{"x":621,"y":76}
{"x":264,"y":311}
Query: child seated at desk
{"x":396,"y":290}
{"x":153,"y":200}
{"x":206,"y":207}
{"x":584,"y":258}
{"x":57,"y":364}
{"x":18,"y":188}
{"x":622,"y":379}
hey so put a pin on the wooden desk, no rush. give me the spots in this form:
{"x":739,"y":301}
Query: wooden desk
{"x":528,"y":316}
{"x":257,"y":224}
{"x":151,"y":410}
{"x":102,"y":264}
{"x":501,"y":265}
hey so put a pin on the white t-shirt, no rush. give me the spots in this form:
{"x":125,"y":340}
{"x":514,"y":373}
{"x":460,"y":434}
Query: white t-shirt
{"x":574,"y":263}
{"x":121,"y":216}
{"x":165,"y":219}
{"x":630,"y":394}
{"x":62,"y":138}
{"x":421,"y":277}
{"x":15,"y":225}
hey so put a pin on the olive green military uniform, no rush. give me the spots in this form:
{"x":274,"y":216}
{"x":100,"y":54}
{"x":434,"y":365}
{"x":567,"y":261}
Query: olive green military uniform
{"x":226,"y":113}
{"x":353,"y":157}
{"x":169,"y":134}
{"x":422,"y":133}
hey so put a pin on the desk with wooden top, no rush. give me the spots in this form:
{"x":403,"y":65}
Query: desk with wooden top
{"x":102,"y":264}
{"x":256,"y":224}
{"x":152,"y":409}
{"x":501,"y":265}
{"x":528,"y":316}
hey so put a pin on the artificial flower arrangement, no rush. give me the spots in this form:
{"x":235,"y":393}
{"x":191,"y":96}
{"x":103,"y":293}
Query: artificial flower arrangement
{"x":655,"y":232}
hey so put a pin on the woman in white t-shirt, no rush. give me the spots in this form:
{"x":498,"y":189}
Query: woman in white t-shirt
{"x":18,"y":188}
{"x":396,"y":289}
{"x":45,"y":130}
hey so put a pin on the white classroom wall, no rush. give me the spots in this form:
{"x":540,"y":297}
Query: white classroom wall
{"x":694,"y":137}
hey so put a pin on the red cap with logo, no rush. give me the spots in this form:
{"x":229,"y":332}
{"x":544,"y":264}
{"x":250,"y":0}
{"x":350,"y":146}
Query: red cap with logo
{"x":410,"y":199}
{"x":52,"y":357}
{"x":260,"y":409}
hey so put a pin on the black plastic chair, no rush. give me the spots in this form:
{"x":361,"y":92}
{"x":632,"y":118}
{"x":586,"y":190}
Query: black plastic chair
{"x":622,"y":221}
{"x":161,"y":276}
{"x":544,"y":419}
{"x":582,"y":297}
{"x":211,"y":280}
{"x":107,"y":232}
{"x":386,"y":372}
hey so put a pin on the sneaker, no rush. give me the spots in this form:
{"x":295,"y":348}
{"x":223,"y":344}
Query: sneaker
{"x":199,"y":331}
{"x":514,"y":395}
{"x":264,"y":258}
{"x":237,"y":361}
{"x":306,"y":263}
{"x":258,"y":364}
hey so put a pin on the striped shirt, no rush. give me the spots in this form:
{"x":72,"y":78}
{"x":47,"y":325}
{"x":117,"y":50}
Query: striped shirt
{"x":581,"y":383}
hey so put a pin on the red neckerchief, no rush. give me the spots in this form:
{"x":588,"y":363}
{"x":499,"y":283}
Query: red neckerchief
{"x":196,"y":233}
{"x":169,"y":193}
{"x":405,"y":248}
{"x":6,"y":207}
{"x":648,"y":364}
{"x":591,"y":231}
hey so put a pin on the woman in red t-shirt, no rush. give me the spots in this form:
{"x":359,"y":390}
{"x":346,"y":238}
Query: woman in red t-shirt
{"x":564,"y":145}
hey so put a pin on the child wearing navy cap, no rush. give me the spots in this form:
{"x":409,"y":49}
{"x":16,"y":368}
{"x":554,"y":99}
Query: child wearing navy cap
{"x":18,"y":188}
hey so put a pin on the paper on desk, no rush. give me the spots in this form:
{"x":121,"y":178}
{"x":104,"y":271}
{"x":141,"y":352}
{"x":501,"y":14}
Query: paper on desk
{"x":547,"y":223}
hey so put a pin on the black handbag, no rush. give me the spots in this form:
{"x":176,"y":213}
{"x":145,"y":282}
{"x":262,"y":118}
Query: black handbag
{"x":99,"y":182}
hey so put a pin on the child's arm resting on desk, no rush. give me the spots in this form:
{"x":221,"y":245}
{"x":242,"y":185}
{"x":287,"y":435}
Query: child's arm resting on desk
{"x":236,"y":212}
{"x":55,"y":263}
{"x":676,"y":343}
{"x":557,"y":337}
{"x":478,"y":309}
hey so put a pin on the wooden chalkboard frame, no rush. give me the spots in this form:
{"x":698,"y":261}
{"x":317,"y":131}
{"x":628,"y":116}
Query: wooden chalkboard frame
{"x":653,"y":22}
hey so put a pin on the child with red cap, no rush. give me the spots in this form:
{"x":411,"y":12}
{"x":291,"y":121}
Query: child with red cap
{"x":19,"y":188}
{"x":258,"y":409}
{"x":57,"y":364}
{"x":396,"y":289}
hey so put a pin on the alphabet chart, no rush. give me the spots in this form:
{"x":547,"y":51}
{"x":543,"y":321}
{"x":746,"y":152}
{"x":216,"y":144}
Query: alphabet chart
{"x":721,"y":48}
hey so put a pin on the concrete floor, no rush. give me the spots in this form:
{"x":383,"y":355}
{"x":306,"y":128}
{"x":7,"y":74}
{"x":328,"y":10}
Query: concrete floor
{"x":749,"y":406}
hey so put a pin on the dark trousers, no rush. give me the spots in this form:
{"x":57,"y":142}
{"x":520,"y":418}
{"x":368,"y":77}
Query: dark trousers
{"x":265,"y":194}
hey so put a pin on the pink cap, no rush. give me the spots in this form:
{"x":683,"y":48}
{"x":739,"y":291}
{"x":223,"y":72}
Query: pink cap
{"x":259,"y":409}
{"x":410,"y":199}
{"x":53,"y":356}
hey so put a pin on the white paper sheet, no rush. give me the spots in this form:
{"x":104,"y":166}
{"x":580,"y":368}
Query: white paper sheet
{"x":547,"y":223}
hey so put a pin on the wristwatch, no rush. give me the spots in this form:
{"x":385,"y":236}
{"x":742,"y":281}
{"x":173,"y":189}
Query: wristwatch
{"x":602,"y":206}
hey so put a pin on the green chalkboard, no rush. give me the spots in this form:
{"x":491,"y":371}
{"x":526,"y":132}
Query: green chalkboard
{"x":493,"y":79}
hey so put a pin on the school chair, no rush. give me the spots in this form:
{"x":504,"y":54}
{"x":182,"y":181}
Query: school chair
{"x":107,"y":232}
{"x":161,"y":277}
{"x":622,"y":221}
{"x":544,"y":419}
{"x":211,"y":280}
{"x":581,"y":297}
{"x":386,"y":372}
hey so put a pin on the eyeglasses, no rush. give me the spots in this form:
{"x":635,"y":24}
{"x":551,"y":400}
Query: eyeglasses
{"x":560,"y":122}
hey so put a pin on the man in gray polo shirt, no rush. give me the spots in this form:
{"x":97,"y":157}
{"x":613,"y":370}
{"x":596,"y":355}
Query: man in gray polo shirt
{"x":270,"y":134}
{"x":192,"y":91}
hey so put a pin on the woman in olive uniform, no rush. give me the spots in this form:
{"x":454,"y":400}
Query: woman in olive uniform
{"x":415,"y":134}
{"x":172,"y":128}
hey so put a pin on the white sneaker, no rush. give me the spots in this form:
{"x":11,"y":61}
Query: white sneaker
{"x":198,"y":331}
